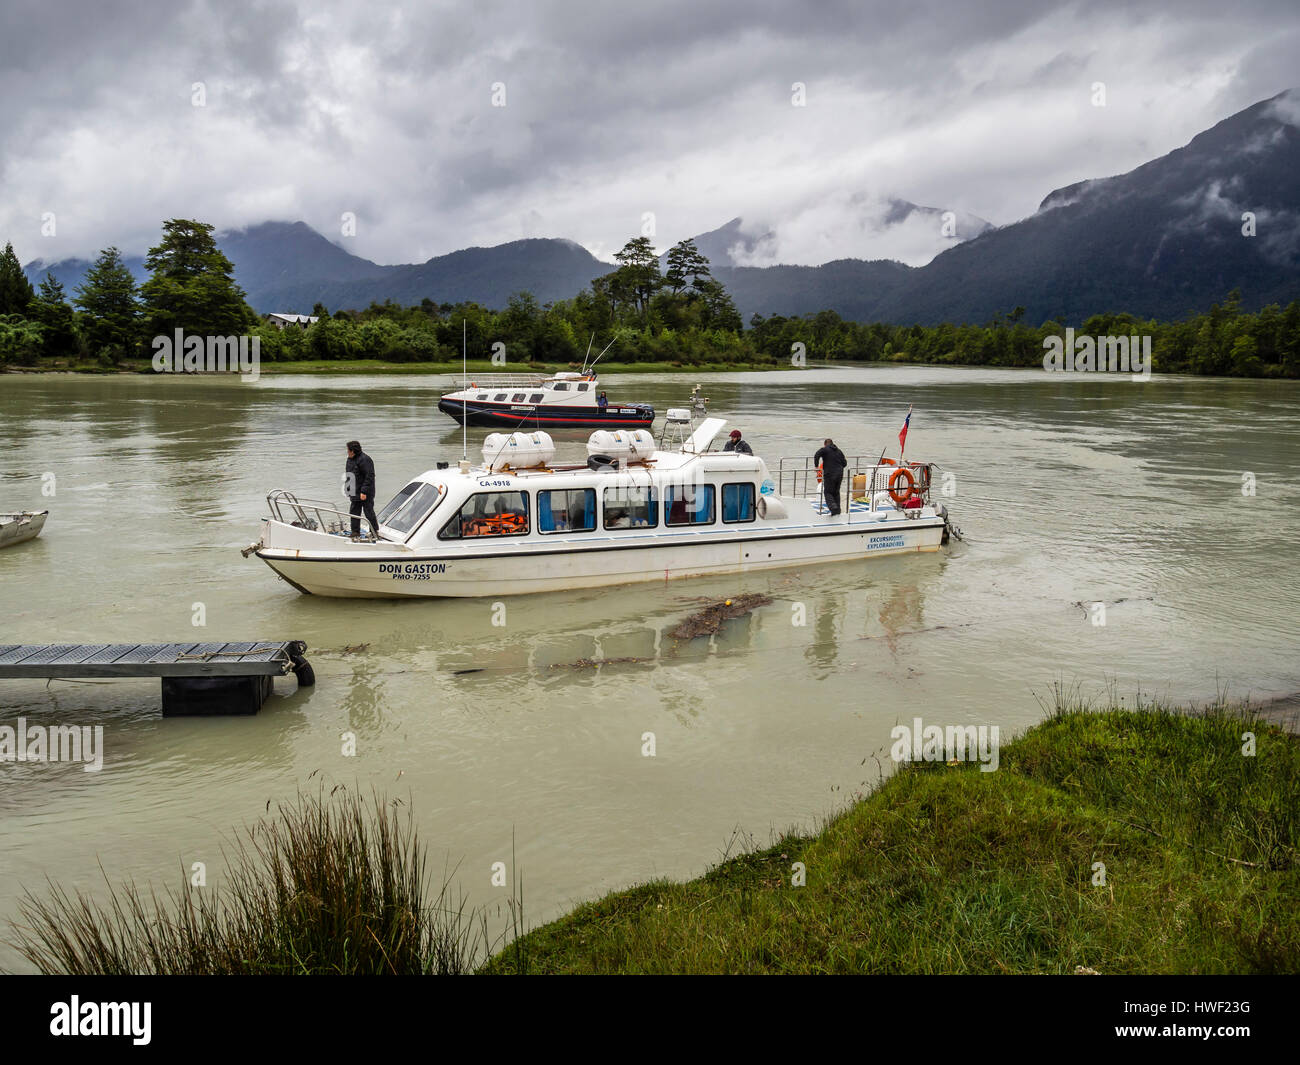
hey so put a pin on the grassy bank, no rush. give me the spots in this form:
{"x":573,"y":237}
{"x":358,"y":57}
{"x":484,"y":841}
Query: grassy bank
{"x":942,"y":869}
{"x":946,"y":869}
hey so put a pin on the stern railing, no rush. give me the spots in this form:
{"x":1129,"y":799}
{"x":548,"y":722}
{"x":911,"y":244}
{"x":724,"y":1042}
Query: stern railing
{"x":863,"y":481}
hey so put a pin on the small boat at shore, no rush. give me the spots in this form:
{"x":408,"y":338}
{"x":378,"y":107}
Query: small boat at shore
{"x":19,"y":527}
{"x":635,"y":511}
{"x":569,"y":400}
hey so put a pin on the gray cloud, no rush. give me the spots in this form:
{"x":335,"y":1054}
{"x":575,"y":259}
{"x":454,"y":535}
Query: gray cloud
{"x":680,"y":108}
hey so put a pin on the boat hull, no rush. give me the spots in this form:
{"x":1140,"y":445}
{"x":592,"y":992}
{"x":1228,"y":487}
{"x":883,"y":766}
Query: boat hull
{"x":25,"y":527}
{"x":514,"y":572}
{"x":549,"y":416}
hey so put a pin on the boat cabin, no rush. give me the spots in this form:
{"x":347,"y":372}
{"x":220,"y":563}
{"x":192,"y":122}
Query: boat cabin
{"x":442,"y":506}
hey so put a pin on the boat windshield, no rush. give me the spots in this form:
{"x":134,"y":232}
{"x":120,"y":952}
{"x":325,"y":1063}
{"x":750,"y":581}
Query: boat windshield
{"x":410,"y":506}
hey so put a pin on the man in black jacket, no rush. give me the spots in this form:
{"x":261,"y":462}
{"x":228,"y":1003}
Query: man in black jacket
{"x":737,"y":444}
{"x":832,"y":461}
{"x":359,"y":487}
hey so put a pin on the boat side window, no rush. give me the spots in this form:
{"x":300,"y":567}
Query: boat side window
{"x":536,"y":397}
{"x":518,"y":397}
{"x":489,"y":514}
{"x":481,"y":395}
{"x":569,"y":510}
{"x":582,"y":388}
{"x":629,"y":507}
{"x":500,"y":397}
{"x":688,"y":504}
{"x":560,"y":386}
{"x":738,"y":502}
{"x":410,"y":506}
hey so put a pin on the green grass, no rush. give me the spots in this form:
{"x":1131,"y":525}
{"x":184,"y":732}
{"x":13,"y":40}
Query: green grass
{"x":942,"y":869}
{"x":324,"y":887}
{"x":946,"y":869}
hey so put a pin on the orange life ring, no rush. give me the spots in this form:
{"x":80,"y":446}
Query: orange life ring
{"x":901,"y":496}
{"x":922,"y":471}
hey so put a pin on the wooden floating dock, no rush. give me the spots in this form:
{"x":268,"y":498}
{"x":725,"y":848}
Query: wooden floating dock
{"x":197,"y":678}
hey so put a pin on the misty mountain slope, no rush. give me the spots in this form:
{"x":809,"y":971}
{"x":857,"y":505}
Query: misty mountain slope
{"x":850,"y":287}
{"x":884,"y":229}
{"x":549,"y":269}
{"x":276,"y":255}
{"x":1163,"y":240}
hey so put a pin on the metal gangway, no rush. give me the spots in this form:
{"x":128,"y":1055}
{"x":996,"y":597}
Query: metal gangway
{"x":197,"y":678}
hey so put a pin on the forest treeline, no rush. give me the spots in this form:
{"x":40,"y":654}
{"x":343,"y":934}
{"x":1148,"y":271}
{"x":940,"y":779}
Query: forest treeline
{"x":647,"y":310}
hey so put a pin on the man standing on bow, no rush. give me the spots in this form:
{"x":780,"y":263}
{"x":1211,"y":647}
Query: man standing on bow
{"x":832,"y":462}
{"x":359,"y":487}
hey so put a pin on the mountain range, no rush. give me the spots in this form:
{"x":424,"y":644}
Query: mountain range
{"x":1164,"y":240}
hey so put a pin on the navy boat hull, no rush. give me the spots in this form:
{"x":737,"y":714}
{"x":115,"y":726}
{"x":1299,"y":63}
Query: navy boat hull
{"x":525,"y":416}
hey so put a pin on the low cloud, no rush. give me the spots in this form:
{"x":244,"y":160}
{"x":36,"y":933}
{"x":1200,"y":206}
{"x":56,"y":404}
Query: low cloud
{"x":683,"y":111}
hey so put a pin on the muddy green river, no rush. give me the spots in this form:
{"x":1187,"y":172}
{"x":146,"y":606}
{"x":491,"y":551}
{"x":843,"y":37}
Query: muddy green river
{"x":1168,"y":501}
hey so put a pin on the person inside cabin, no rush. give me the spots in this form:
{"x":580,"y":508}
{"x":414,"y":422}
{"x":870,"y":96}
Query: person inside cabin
{"x":617,"y":519}
{"x":737,"y":444}
{"x":359,"y":486}
{"x":602,"y":401}
{"x":830,"y":459}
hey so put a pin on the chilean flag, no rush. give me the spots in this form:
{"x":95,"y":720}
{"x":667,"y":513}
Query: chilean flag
{"x":902,"y":433}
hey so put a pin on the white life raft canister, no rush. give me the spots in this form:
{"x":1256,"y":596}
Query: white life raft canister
{"x":626,"y":445}
{"x":519,"y":451}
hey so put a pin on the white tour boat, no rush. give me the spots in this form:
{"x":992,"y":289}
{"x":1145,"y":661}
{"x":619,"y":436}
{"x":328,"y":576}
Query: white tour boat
{"x":633,"y":512}
{"x":26,"y":525}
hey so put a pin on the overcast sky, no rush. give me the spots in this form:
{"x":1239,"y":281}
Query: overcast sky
{"x":685,"y":110}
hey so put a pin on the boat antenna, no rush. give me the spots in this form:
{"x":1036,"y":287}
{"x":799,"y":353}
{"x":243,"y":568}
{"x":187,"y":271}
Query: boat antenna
{"x":588,"y":355}
{"x":602,"y":354}
{"x":464,"y":388}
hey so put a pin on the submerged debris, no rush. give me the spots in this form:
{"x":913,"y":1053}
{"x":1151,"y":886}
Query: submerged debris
{"x":708,"y":621}
{"x":592,"y":663}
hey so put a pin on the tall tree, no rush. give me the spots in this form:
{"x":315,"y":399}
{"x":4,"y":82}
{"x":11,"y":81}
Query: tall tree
{"x":51,"y":309}
{"x":15,"y":290}
{"x":191,"y":286}
{"x":720,"y":310}
{"x":638,"y":274}
{"x":110,"y":310}
{"x":685,"y":261}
